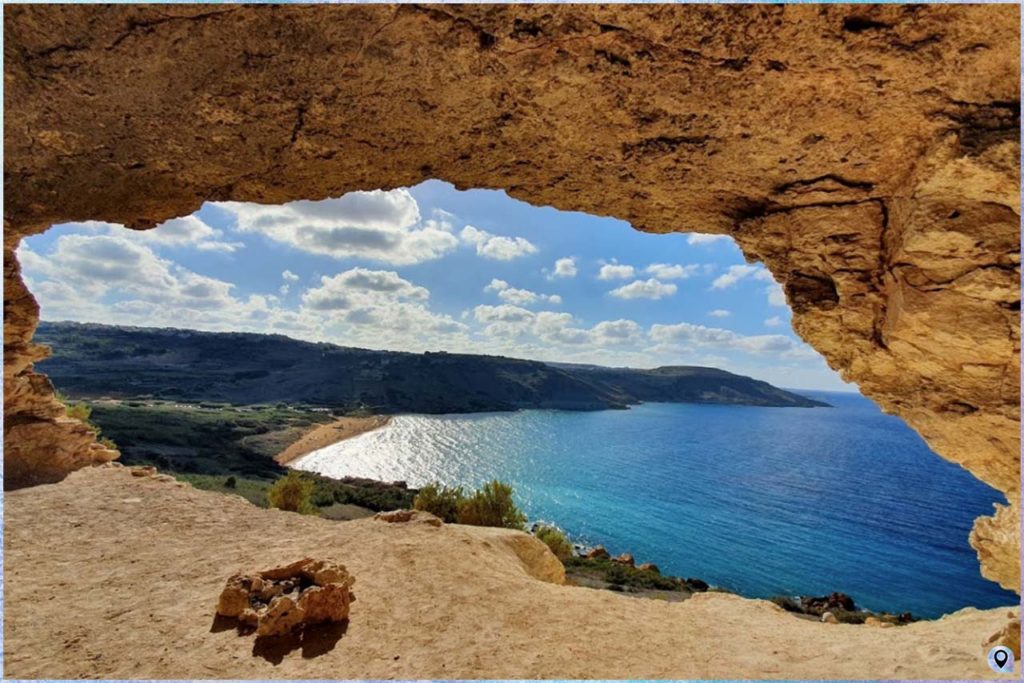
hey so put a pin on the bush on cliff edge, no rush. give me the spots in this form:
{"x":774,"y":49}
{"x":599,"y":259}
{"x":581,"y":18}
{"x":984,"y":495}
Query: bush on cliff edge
{"x":292,"y":492}
{"x":442,"y":501}
{"x":491,"y":505}
{"x":555,"y":540}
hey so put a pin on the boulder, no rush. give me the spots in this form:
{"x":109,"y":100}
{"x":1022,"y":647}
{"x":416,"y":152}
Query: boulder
{"x":827,"y":603}
{"x":697,"y":585}
{"x":283,"y":599}
{"x":829,"y":618}
{"x":400,"y":516}
{"x":624,"y":558}
{"x":598,"y":553}
{"x":1008,"y":636}
{"x":649,"y":567}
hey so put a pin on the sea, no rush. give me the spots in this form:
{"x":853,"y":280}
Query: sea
{"x":760,"y":501}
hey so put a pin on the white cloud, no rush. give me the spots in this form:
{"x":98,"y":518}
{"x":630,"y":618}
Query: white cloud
{"x":550,"y":327}
{"x":644,"y":289}
{"x":288,"y":277}
{"x":496,"y":285}
{"x":615,"y":332}
{"x":359,"y":288}
{"x":519,"y":297}
{"x":699,"y":238}
{"x":564,"y":267}
{"x":698,"y":336}
{"x":495,"y":246}
{"x":615,"y":271}
{"x":118,"y":280}
{"x":741,"y":272}
{"x":376,"y":308}
{"x":379,"y":225}
{"x":734,"y":275}
{"x":669,"y":271}
{"x":776,"y":297}
{"x":178,"y":233}
{"x":720,"y":313}
{"x":774,"y":321}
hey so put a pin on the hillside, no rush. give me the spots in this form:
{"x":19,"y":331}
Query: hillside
{"x":92,"y":360}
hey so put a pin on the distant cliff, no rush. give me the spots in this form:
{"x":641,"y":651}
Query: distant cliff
{"x":100,"y":360}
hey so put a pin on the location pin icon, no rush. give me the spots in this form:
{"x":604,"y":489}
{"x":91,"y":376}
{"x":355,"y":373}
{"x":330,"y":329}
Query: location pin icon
{"x":1000,"y":656}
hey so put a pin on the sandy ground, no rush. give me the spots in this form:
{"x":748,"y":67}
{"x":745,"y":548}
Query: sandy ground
{"x":114,"y":576}
{"x":326,"y":434}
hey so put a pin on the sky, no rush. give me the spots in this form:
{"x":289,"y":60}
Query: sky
{"x":433,"y":268}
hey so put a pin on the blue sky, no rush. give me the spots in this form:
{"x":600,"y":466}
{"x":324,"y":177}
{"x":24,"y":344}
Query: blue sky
{"x":433,"y":268}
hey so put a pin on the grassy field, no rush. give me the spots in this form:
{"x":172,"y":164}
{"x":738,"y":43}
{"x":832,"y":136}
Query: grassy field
{"x":230,"y":449}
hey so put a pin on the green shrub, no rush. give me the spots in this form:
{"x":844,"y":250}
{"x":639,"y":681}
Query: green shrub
{"x":230,"y":483}
{"x":292,"y":492}
{"x":555,"y":540}
{"x":322,"y":497}
{"x":491,"y":505}
{"x":442,"y":501}
{"x":787,"y":603}
{"x":79,"y":411}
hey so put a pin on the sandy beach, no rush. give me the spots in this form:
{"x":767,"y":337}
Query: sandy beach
{"x":326,"y":434}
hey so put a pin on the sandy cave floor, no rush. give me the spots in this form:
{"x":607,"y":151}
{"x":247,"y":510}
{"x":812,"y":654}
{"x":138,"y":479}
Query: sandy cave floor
{"x":114,"y":576}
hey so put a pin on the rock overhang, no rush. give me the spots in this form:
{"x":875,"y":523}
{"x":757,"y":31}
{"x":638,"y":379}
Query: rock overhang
{"x":868,"y":155}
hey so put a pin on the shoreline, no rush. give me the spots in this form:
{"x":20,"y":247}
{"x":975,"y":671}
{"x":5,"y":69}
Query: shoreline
{"x":323,"y":435}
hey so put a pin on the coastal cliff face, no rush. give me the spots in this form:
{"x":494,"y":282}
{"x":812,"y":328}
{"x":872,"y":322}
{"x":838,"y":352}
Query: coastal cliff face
{"x":868,"y":155}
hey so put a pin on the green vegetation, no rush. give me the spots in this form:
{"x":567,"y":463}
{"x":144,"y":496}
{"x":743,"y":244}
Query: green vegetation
{"x":83,"y":411}
{"x":490,"y":505}
{"x":230,"y":449}
{"x":225,"y":440}
{"x":555,"y":540}
{"x":442,"y":501}
{"x":214,"y":368}
{"x":787,"y":603}
{"x":293,"y":493}
{"x":624,"y":577}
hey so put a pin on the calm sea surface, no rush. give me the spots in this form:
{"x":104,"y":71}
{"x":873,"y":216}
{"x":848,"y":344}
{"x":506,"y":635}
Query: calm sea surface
{"x":763,"y":501}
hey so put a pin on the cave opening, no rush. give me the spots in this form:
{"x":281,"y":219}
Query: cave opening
{"x":447,"y":272}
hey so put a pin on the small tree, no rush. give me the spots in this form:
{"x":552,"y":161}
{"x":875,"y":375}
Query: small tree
{"x":442,"y":501}
{"x":293,"y":493}
{"x":555,"y":540}
{"x":492,"y":505}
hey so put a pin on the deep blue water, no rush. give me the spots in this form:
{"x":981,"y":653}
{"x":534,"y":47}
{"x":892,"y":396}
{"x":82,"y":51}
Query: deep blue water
{"x":763,"y":501}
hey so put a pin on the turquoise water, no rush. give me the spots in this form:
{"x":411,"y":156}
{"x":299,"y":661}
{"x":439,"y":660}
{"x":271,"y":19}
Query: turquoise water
{"x":762,"y":501}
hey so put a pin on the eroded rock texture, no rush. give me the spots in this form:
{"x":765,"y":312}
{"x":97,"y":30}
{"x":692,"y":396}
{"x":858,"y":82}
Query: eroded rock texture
{"x":278,"y":601}
{"x":868,"y":155}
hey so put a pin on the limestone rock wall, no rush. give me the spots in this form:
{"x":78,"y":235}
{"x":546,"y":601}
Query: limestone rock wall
{"x":868,"y":155}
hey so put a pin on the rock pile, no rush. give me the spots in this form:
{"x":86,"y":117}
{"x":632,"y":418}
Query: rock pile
{"x":827,"y":603}
{"x":401,"y":516}
{"x":281,"y":600}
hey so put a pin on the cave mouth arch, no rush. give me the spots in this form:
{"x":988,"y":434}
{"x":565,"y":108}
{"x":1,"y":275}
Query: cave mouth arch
{"x":68,"y":259}
{"x":892,"y":218}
